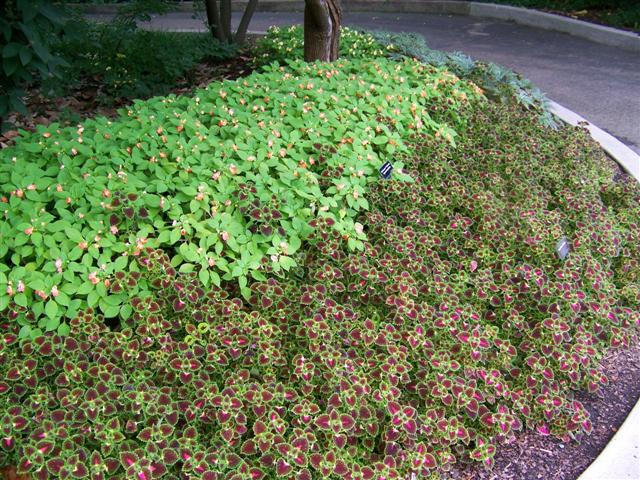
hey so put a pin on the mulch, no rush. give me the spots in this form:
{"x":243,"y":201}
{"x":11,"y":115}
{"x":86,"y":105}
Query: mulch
{"x":528,"y":455}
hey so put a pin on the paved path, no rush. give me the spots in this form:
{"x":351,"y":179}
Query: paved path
{"x":600,"y":83}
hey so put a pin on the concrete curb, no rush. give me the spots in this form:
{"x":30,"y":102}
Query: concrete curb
{"x":627,"y":158}
{"x":533,"y":18}
{"x":548,"y":21}
{"x":620,"y":459}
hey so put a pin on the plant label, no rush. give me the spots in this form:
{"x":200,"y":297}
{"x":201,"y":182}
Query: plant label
{"x":385,"y":170}
{"x":562,"y":248}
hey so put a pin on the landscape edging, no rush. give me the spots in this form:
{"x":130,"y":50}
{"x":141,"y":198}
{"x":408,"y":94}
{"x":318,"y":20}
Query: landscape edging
{"x":622,"y":154}
{"x":533,"y":18}
{"x":612,"y":460}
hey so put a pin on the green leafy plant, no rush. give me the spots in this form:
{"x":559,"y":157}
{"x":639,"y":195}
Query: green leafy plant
{"x":453,"y":328}
{"x":226,"y":181}
{"x":26,"y":29}
{"x":282,"y":44}
{"x":120,"y":61}
{"x":498,"y":82}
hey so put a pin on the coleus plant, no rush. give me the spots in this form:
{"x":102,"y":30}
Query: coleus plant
{"x":454,"y":327}
{"x":224,"y":182}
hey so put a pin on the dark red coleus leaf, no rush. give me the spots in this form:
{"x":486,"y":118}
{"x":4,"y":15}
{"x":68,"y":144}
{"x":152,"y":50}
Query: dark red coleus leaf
{"x":340,"y":440}
{"x":128,"y":459}
{"x":54,"y":465}
{"x":341,"y":469}
{"x":283,"y":468}
{"x":79,"y":470}
{"x":347,"y":422}
{"x":169,"y":456}
{"x":248,"y":447}
{"x":323,"y":422}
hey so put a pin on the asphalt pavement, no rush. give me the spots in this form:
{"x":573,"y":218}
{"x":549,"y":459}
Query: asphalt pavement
{"x":599,"y":82}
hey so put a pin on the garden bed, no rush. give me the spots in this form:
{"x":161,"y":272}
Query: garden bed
{"x":87,"y":102}
{"x":224,"y":285}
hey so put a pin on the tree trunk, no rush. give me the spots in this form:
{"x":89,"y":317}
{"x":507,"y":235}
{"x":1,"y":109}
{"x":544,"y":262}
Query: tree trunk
{"x":241,"y":33}
{"x":225,"y":19}
{"x":322,"y":19}
{"x":213,"y":19}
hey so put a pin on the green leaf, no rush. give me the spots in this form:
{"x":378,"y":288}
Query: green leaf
{"x":63,"y":329}
{"x":35,"y":333}
{"x":26,"y":54}
{"x":10,"y":66}
{"x":4,"y":301}
{"x":114,"y":300}
{"x":11,"y":50}
{"x":25,"y":332}
{"x":85,"y":288}
{"x":186,"y":268}
{"x":52,"y":324}
{"x":62,"y":299}
{"x":286,"y":262}
{"x":20,"y":299}
{"x":188,"y":252}
{"x":203,"y":275}
{"x":294,"y":244}
{"x":51,"y":309}
{"x":125,"y":311}
{"x":258,"y":276}
{"x":120,"y":264}
{"x":109,"y":311}
{"x":175,"y":236}
{"x":164,"y":237}
{"x":74,"y":235}
{"x":92,"y":298}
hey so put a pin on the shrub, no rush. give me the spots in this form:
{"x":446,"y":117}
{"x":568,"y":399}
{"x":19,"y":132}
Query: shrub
{"x":617,"y":13}
{"x":420,"y":329}
{"x":27,"y":29}
{"x":225,"y":182}
{"x":121,"y":61}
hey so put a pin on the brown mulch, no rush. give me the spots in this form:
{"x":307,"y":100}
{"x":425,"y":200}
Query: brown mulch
{"x":531,"y":456}
{"x":9,"y":473}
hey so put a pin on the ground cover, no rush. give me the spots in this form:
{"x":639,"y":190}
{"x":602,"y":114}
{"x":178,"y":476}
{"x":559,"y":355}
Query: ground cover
{"x":242,"y":295}
{"x":107,"y":65}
